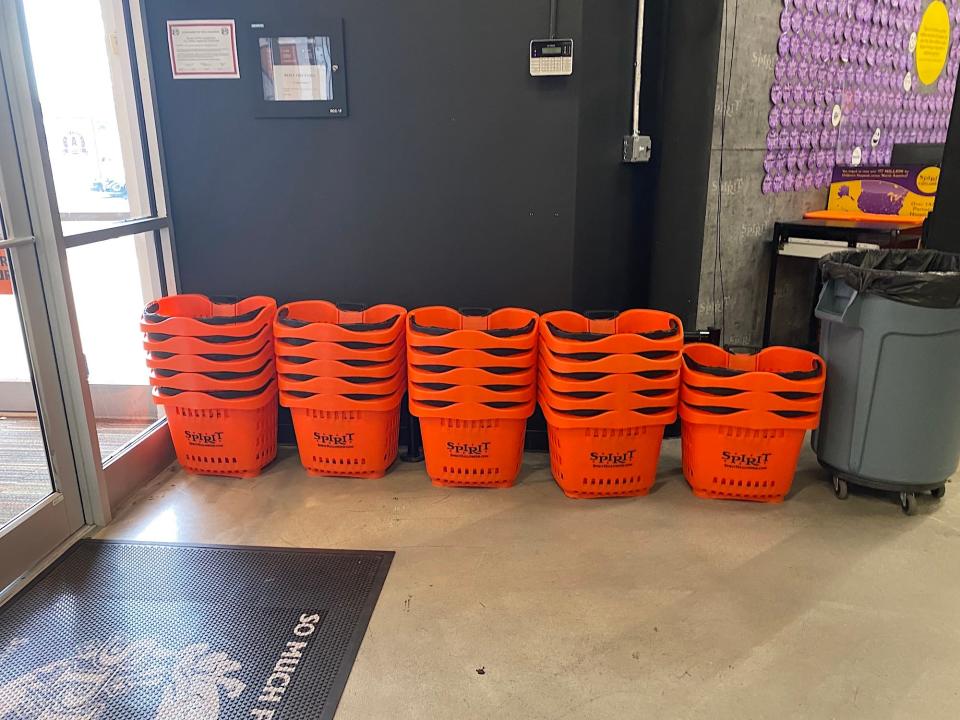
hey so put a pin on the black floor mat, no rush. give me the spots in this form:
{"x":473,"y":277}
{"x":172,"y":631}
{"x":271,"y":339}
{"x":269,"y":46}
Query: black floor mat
{"x":153,"y":631}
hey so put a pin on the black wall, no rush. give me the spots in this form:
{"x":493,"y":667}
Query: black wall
{"x":456,"y":179}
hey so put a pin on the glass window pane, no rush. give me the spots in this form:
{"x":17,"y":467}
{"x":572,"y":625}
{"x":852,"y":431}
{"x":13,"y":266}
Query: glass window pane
{"x":112,"y":281}
{"x":89,"y":111}
{"x":24,"y":470}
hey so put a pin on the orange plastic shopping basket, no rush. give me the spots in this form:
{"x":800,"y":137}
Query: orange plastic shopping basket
{"x":608,"y":386}
{"x":214,"y":343}
{"x":473,"y":444}
{"x":343,"y":376}
{"x":604,"y":456}
{"x":343,"y":386}
{"x":217,"y":436}
{"x":341,"y":350}
{"x":319,"y":320}
{"x":656,"y":333}
{"x":350,"y":443}
{"x":211,"y":362}
{"x":473,"y":329}
{"x":341,"y":368}
{"x":483,"y":452}
{"x":745,"y":419}
{"x":472,"y":384}
{"x":198,"y":315}
{"x":216,"y":380}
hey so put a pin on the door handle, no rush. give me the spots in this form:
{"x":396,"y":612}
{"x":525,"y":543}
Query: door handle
{"x":17,"y":241}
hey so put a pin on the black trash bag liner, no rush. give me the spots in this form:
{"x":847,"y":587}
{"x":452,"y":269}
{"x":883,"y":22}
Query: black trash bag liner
{"x":497,"y":333}
{"x":590,"y":337}
{"x":284,"y":318}
{"x":219,"y":339}
{"x":727,"y":372}
{"x":927,"y":278}
{"x":219,"y":394}
{"x":216,"y":375}
{"x":151,"y":316}
{"x":496,"y":352}
{"x":591,"y":356}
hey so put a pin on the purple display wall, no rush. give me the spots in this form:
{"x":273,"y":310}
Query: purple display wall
{"x":854,"y":77}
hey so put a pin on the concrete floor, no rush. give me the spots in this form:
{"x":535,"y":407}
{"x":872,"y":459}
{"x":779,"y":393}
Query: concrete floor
{"x":661,"y":607}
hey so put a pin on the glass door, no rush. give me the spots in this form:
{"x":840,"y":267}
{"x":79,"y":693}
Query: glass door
{"x":107,"y":201}
{"x":40,"y":497}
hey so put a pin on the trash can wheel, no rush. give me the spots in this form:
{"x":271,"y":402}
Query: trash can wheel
{"x":939,"y":492}
{"x":908,"y":503}
{"x":840,"y":488}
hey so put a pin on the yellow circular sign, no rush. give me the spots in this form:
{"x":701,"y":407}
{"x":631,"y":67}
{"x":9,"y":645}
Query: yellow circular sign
{"x":933,"y":42}
{"x":928,"y":180}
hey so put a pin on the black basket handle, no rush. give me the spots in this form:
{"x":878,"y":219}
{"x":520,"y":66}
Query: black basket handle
{"x":475,"y":311}
{"x":351,"y":307}
{"x":224,"y":299}
{"x":601,"y":314}
{"x":742,"y":349}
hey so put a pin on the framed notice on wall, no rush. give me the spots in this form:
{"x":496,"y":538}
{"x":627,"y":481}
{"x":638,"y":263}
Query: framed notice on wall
{"x":203,"y":49}
{"x":302,"y":72}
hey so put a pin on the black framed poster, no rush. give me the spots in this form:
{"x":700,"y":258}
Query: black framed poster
{"x":301,"y":70}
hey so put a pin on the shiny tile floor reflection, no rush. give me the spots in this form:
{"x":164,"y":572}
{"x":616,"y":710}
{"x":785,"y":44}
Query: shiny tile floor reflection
{"x":658,"y":607}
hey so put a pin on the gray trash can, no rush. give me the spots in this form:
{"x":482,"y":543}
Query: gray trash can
{"x":890,"y":336}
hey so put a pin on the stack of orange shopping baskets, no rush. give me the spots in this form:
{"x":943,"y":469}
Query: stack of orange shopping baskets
{"x":745,"y":417}
{"x":212,"y":368}
{"x":608,"y":387}
{"x":472,"y":383}
{"x":342,"y":373}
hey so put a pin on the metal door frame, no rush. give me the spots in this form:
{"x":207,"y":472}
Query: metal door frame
{"x":37,"y":258}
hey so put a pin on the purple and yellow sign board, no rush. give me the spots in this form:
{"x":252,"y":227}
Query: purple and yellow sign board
{"x":907,"y":190}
